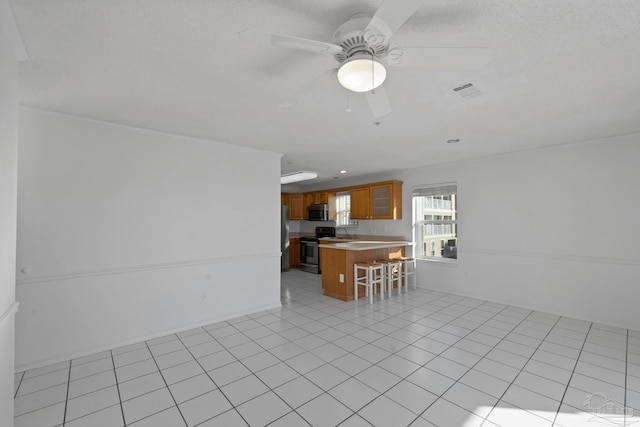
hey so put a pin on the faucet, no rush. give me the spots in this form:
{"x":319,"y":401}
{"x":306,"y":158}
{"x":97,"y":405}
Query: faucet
{"x":345,"y":232}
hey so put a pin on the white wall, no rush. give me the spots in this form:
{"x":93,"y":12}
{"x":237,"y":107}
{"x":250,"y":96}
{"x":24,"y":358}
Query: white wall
{"x":122,"y":232}
{"x":8,"y":192}
{"x":555,"y":229}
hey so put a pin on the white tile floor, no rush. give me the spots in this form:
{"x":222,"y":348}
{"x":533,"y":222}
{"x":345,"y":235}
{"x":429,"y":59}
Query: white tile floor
{"x":422,"y":359}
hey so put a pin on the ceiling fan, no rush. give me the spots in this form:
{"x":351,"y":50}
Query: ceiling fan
{"x":361,"y":46}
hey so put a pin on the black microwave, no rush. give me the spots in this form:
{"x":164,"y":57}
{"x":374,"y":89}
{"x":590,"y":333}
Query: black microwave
{"x":318,"y":212}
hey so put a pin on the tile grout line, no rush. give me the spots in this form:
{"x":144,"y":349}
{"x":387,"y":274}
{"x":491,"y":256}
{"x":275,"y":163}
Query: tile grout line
{"x":166,"y":385}
{"x":507,"y":306}
{"x":15,"y":394}
{"x":468,"y":370}
{"x":523,"y":366}
{"x":586,"y":337}
{"x":420,"y":366}
{"x":260,"y":379}
{"x":451,"y":346}
{"x":212,"y":380}
{"x":376,"y":364}
{"x":280,"y":361}
{"x":470,"y":309}
{"x":66,"y":400}
{"x":626,"y":368}
{"x":308,"y":351}
{"x":115,"y":374}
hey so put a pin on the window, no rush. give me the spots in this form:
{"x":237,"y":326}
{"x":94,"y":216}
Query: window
{"x":435,"y":221}
{"x":343,"y":208}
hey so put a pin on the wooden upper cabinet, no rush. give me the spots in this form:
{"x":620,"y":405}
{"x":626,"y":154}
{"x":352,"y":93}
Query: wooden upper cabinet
{"x":381,"y":200}
{"x":360,"y":203}
{"x":386,"y":200}
{"x":295,"y":203}
{"x":296,"y":208}
{"x":308,"y":200}
{"x":315,"y":198}
{"x":322,"y":197}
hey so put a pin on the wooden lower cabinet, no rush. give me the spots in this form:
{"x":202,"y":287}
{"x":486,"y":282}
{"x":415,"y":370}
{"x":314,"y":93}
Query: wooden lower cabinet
{"x":340,"y":261}
{"x":294,"y":252}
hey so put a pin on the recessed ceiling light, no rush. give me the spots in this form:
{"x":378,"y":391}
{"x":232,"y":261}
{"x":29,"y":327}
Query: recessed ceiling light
{"x":453,"y":141}
{"x":343,"y":171}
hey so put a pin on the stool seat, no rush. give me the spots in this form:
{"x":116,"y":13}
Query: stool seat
{"x":408,"y":269}
{"x":373,"y":276}
{"x":393,"y":274}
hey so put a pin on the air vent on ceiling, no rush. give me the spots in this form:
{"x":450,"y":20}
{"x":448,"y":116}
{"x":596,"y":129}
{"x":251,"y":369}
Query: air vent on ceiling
{"x":467,"y":91}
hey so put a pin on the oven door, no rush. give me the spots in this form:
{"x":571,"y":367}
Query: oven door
{"x":309,"y":256}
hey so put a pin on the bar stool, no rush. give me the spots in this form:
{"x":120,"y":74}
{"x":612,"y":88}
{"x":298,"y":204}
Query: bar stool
{"x":374,"y":275}
{"x":406,"y":271}
{"x":393,"y":274}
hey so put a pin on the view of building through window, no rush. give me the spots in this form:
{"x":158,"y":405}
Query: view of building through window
{"x":435,"y":215}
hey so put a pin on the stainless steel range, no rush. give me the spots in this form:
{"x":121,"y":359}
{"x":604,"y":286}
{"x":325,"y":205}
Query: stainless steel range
{"x":309,"y":252}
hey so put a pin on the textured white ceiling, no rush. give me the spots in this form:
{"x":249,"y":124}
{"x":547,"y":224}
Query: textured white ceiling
{"x":562,"y":71}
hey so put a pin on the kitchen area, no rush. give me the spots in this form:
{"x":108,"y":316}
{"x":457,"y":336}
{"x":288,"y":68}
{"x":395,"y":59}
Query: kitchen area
{"x":321,"y":232}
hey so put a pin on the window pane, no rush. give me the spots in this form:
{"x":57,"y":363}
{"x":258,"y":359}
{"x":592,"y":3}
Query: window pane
{"x":343,"y":208}
{"x":435,"y":222}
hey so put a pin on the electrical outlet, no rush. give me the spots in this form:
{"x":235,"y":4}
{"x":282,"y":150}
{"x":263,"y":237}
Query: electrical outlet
{"x":203,"y":296}
{"x":341,"y":278}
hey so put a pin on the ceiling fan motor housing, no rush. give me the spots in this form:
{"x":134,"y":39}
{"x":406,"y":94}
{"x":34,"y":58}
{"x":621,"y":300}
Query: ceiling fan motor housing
{"x":351,"y":37}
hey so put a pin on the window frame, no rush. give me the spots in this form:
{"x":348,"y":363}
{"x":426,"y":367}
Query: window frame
{"x":423,"y":249}
{"x":351,"y":223}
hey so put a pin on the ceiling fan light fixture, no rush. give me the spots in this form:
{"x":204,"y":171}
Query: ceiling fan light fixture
{"x":361,"y":74}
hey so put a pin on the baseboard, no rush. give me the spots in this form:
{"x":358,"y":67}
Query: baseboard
{"x":111,"y":346}
{"x":530,"y":307}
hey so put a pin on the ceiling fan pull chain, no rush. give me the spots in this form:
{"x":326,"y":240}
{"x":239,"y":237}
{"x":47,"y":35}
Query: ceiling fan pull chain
{"x":373,"y":77}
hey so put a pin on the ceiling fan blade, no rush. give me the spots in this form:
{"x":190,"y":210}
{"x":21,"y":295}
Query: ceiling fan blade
{"x":378,"y":101}
{"x":389,"y":17}
{"x":290,"y":42}
{"x":439,"y":58}
{"x":300,"y":93}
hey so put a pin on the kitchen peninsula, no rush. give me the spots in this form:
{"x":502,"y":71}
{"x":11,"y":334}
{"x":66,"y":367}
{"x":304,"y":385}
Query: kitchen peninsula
{"x":338,"y":259}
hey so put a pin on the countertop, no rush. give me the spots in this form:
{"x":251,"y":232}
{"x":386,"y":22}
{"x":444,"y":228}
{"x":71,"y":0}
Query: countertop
{"x":362,"y":245}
